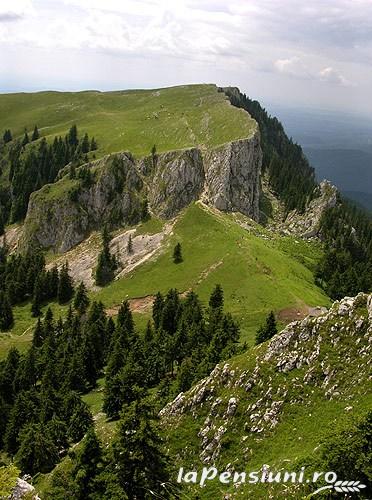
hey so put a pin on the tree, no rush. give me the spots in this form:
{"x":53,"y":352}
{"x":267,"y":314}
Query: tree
{"x":25,"y":139}
{"x":65,"y":285}
{"x":87,"y":466}
{"x":177,"y":254}
{"x":93,"y":144}
{"x":130,"y":245}
{"x":106,"y":264}
{"x":268,"y":330}
{"x":141,"y":466}
{"x":35,"y":134}
{"x":216,"y":298}
{"x":37,"y":298}
{"x":72,"y":136}
{"x":81,"y":300}
{"x":37,"y":452}
{"x":85,"y":146}
{"x":6,"y":313}
{"x":7,"y":137}
{"x":154,"y":156}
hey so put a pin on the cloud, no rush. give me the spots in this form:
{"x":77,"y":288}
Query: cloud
{"x":296,"y":67}
{"x":292,"y":66}
{"x":330,"y":75}
{"x":15,"y":10}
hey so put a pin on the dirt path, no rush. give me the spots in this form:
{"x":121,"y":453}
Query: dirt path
{"x":300,"y":312}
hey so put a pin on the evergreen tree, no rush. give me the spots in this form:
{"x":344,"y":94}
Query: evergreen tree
{"x":154,"y":156}
{"x":65,"y":286}
{"x":93,"y":144}
{"x":37,"y":298}
{"x":85,"y":146}
{"x":106,"y":262}
{"x":35,"y":134}
{"x":7,"y":137}
{"x":216,"y":298}
{"x":72,"y":137}
{"x":25,"y":139}
{"x":86,"y":466}
{"x":177,"y":254}
{"x":157,"y":310}
{"x":2,"y":226}
{"x":37,"y":452}
{"x":6,"y":313}
{"x":130,"y":245}
{"x":81,"y":300}
{"x":268,"y":331}
{"x":141,"y":466}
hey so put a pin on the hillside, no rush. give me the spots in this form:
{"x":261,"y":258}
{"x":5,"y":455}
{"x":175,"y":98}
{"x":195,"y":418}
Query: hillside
{"x":128,"y":272}
{"x":217,"y":248}
{"x":276,"y":403}
{"x":132,"y":120}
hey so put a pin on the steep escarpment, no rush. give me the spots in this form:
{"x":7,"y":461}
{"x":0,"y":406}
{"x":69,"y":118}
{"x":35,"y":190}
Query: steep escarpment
{"x":118,"y":190}
{"x":267,"y":403}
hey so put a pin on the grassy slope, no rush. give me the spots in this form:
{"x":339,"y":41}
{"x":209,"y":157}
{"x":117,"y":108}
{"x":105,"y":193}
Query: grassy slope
{"x":306,"y":419}
{"x":133,"y":120}
{"x":257,"y":274}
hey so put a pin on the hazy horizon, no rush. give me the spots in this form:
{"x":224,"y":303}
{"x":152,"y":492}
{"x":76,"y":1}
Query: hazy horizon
{"x":314,"y":56}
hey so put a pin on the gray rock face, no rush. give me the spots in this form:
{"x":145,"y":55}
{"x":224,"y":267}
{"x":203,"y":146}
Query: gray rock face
{"x":228,"y":177}
{"x":177,"y":182}
{"x":232,"y":178}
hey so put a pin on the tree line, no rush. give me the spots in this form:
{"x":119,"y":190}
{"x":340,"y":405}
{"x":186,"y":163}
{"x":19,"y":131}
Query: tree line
{"x":25,"y":277}
{"x":346,"y":267}
{"x":290,"y":174}
{"x":41,"y":410}
{"x":31,"y":166}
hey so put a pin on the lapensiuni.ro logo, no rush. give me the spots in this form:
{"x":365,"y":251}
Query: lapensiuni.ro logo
{"x":265,"y":475}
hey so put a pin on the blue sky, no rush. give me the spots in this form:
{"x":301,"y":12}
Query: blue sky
{"x":311,"y":54}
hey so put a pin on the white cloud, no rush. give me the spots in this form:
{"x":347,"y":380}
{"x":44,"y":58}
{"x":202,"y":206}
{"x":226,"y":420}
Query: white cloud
{"x":296,"y":67}
{"x":14,"y":10}
{"x":330,"y":75}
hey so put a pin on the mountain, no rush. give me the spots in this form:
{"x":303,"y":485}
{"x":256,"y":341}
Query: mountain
{"x":147,"y":237}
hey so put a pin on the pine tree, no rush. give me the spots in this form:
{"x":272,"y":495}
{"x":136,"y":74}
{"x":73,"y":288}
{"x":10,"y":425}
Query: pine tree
{"x":72,"y":137}
{"x":85,"y":146}
{"x":2,"y":225}
{"x":153,"y":156}
{"x":35,"y":134}
{"x":157,"y":310}
{"x":81,"y":300}
{"x":65,"y":285}
{"x":106,"y":264}
{"x":141,"y":466}
{"x":93,"y":144}
{"x":86,"y":466}
{"x":268,"y":331}
{"x":7,"y":137}
{"x":216,"y":298}
{"x":130,"y":245}
{"x":25,"y":139}
{"x":6,"y":313}
{"x":37,"y":298}
{"x":37,"y":452}
{"x":177,"y":254}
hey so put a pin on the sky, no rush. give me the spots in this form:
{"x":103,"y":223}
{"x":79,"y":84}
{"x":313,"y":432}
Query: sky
{"x":315,"y":54}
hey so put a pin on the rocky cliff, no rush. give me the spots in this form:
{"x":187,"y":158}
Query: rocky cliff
{"x":119,"y":188}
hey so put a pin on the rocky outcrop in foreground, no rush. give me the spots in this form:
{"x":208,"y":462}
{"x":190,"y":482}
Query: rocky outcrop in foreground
{"x":329,"y":356}
{"x":228,"y":177}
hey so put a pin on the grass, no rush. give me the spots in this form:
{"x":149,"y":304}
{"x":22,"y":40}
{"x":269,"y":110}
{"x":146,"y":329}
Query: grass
{"x":257,"y":275}
{"x":134,"y":120}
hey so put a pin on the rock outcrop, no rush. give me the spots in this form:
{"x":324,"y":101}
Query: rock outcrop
{"x":61,"y":215}
{"x":307,"y":224}
{"x":329,"y":354}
